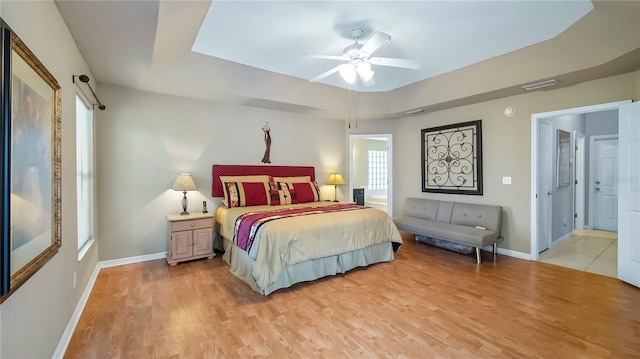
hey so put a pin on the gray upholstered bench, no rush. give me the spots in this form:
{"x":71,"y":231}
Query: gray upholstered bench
{"x":475,"y":225}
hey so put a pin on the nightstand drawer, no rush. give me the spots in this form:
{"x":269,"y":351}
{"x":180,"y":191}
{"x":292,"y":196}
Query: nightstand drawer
{"x":192,"y":224}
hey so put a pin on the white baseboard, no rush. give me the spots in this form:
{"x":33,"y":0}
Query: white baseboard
{"x":130,"y":260}
{"x":509,"y":252}
{"x":561,"y":239}
{"x":516,"y":254}
{"x":75,"y":317}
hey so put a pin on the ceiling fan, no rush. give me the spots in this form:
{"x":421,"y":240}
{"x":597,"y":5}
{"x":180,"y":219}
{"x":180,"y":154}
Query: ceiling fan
{"x":359,"y":61}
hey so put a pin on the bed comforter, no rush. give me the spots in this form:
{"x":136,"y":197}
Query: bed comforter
{"x":293,"y":240}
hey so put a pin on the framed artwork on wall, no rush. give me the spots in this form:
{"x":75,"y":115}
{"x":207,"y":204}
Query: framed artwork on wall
{"x":30,"y":164}
{"x":452,"y":158}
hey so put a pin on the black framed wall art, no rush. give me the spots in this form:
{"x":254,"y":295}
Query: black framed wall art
{"x":452,"y":158}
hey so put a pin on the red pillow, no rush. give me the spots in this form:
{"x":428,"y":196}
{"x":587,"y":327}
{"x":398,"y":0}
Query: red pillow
{"x":283,"y":196}
{"x":305,"y":192}
{"x":243,"y":194}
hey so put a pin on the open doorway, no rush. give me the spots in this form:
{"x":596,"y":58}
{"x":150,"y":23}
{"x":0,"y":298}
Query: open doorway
{"x":570,"y":201}
{"x":370,"y":170}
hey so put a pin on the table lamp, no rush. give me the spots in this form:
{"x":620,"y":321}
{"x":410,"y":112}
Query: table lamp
{"x":335,"y":179}
{"x":184,"y":183}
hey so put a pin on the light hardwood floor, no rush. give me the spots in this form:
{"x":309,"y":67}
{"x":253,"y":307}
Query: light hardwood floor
{"x":428,"y":303}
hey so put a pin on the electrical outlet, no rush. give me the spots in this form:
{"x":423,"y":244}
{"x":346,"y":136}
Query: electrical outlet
{"x":565,"y":223}
{"x":506,"y":180}
{"x":75,"y":279}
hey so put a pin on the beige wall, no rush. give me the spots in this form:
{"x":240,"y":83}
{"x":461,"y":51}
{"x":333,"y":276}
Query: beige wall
{"x":35,"y":316}
{"x":506,"y":146}
{"x":145,"y":140}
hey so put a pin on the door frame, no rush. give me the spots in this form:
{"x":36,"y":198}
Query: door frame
{"x":551,"y":180}
{"x":389,"y":138}
{"x":592,"y":141}
{"x":579,"y":183}
{"x":534,"y":159}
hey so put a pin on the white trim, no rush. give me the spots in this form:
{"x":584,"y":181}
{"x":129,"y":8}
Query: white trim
{"x":131,"y":260}
{"x":579,"y":188}
{"x":534,"y":188}
{"x":75,"y":317}
{"x":534,"y":164}
{"x":85,"y":248}
{"x":592,"y":153}
{"x":509,"y":252}
{"x":515,"y":254}
{"x":561,"y":239}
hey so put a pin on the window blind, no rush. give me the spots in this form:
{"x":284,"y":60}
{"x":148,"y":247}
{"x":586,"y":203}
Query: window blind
{"x":84,"y":172}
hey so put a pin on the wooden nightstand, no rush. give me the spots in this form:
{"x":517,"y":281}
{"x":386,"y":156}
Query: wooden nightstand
{"x":190,"y":237}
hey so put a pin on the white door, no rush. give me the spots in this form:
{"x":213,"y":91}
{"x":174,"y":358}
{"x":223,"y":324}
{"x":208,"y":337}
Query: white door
{"x":545,"y":183}
{"x":579,"y":188}
{"x":605,"y":184}
{"x":629,"y":191}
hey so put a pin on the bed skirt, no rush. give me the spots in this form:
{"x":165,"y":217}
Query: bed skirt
{"x":242,"y":265}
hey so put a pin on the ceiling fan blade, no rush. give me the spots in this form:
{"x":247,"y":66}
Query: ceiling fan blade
{"x":327,"y":57}
{"x":388,"y":61}
{"x":375,"y":41}
{"x":323,"y":75}
{"x":367,"y":83}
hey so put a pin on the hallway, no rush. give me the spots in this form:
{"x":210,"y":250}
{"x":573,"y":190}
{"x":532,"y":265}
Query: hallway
{"x":586,"y":250}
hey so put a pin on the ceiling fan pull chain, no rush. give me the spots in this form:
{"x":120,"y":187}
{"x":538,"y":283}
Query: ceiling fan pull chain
{"x":357,"y":98}
{"x":349,"y":106}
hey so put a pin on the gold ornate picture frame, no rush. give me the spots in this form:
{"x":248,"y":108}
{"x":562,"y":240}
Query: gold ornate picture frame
{"x":452,"y":158}
{"x":31,"y":164}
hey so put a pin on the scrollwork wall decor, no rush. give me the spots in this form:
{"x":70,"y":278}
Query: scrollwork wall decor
{"x":452,"y":158}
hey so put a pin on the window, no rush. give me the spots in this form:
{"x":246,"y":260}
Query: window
{"x":84,"y":175}
{"x":377,"y":170}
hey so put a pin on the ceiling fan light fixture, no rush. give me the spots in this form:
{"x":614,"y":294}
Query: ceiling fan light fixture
{"x":365,"y":66}
{"x":364,"y":69}
{"x":348,"y":73}
{"x":359,"y":62}
{"x":366,"y":75}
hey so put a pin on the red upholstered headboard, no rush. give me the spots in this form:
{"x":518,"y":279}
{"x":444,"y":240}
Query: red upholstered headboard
{"x":242,"y":170}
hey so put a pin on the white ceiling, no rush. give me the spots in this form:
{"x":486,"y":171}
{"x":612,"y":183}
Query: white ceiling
{"x":257,"y":49}
{"x":442,"y":35}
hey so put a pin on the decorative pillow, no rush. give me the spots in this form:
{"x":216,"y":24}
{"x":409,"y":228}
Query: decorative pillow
{"x":283,"y":196}
{"x":295,"y":179}
{"x":253,"y":178}
{"x":305,"y":192}
{"x":242,"y":194}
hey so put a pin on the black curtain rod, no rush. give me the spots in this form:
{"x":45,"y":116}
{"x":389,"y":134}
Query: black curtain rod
{"x":85,"y":79}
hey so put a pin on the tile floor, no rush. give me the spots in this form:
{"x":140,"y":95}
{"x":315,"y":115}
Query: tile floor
{"x":587,"y":250}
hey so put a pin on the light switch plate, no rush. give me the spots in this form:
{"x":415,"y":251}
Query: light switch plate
{"x":506,"y":180}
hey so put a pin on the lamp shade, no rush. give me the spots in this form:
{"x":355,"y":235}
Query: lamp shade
{"x":335,"y":179}
{"x":184,"y":182}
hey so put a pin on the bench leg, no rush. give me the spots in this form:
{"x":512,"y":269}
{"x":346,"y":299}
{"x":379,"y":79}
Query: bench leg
{"x":478,"y":258}
{"x":495,"y":251}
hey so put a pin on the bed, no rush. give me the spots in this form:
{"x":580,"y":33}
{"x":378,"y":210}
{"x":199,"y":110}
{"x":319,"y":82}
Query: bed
{"x":276,"y":244}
